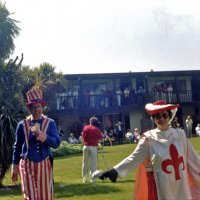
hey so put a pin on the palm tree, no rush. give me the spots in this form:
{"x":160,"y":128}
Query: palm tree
{"x":52,"y":83}
{"x":45,"y":77}
{"x":8,"y":31}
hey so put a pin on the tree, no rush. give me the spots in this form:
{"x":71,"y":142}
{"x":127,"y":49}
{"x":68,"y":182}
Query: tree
{"x":46,"y":79}
{"x":8,"y":31}
{"x":11,"y":110}
{"x":11,"y":101}
{"x":14,"y":82}
{"x":42,"y":76}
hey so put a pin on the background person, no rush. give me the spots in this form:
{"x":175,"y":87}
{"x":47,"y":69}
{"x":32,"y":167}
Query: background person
{"x":136,"y":134}
{"x":107,"y":138}
{"x":197,"y":129}
{"x":129,"y":136}
{"x":189,"y":123}
{"x":80,"y":138}
{"x":91,"y":136}
{"x":72,"y":139}
{"x":169,"y":165}
{"x":119,"y":131}
{"x":175,"y":122}
{"x":35,"y":136}
{"x":60,"y":131}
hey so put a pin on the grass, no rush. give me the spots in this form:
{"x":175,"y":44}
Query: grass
{"x":68,"y":181}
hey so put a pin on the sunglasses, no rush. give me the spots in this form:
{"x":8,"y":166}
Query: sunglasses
{"x":159,"y":116}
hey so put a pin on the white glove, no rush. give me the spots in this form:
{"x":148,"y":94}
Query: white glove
{"x":38,"y":134}
{"x":35,"y":129}
{"x":42,"y":136}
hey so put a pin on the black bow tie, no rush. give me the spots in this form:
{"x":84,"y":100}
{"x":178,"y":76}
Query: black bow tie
{"x":36,"y":121}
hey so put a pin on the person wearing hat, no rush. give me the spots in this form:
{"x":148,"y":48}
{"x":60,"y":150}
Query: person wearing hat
{"x":35,"y":136}
{"x":72,"y":139}
{"x":91,"y":136}
{"x":167,"y":165}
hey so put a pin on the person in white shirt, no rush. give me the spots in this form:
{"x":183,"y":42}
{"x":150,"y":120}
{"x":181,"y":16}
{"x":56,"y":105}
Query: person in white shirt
{"x":136,"y":135}
{"x":119,"y":96}
{"x":197,"y":129}
{"x":72,"y":139}
{"x":189,"y":123}
{"x":129,"y":136}
{"x":168,"y":165}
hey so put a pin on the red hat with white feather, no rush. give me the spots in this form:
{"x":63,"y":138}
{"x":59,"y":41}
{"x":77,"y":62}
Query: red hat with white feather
{"x":160,"y":106}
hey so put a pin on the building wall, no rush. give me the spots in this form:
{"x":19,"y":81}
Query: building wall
{"x":92,"y":83}
{"x":135,"y":118}
{"x":188,"y":81}
{"x":68,"y":124}
{"x":133,"y":81}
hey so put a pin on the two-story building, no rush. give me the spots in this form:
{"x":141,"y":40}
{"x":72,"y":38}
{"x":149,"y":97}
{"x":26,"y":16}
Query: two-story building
{"x":114,"y":97}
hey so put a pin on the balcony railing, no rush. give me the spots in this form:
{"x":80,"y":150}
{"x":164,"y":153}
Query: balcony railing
{"x":172,"y":97}
{"x":65,"y":102}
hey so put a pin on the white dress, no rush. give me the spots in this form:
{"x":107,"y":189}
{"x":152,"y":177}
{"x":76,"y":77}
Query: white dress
{"x":173,"y":162}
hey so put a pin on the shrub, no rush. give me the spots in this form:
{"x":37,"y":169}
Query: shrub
{"x":67,"y":149}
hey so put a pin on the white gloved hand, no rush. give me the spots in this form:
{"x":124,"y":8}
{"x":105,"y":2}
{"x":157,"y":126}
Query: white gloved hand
{"x":35,"y":129}
{"x":42,"y":136}
{"x":97,"y":173}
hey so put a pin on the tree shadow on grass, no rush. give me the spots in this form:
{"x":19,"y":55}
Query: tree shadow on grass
{"x":79,"y":189}
{"x":10,"y":190}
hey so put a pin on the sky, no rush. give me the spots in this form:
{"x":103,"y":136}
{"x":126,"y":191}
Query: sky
{"x":108,"y":36}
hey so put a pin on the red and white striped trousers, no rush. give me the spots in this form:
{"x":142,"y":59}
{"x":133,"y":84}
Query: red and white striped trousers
{"x":36,"y":179}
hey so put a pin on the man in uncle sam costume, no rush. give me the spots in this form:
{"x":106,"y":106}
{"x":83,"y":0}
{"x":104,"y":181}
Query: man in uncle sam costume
{"x":168,"y":166}
{"x":35,"y":135}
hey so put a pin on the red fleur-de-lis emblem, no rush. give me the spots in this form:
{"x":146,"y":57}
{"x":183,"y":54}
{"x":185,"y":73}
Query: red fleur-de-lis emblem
{"x":175,"y":161}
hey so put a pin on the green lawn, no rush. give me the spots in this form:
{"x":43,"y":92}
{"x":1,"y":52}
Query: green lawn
{"x":68,"y":181}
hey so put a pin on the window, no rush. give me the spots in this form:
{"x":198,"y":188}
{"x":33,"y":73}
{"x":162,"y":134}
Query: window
{"x":166,"y":82}
{"x":182,"y":85}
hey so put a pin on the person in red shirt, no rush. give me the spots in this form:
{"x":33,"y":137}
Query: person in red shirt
{"x":91,"y":136}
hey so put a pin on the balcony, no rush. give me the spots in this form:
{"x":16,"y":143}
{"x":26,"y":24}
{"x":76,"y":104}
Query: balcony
{"x":101,"y":103}
{"x":184,"y":96}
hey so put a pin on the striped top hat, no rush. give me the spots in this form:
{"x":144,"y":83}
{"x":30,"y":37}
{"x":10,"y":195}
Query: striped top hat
{"x":35,"y":96}
{"x":159,"y":106}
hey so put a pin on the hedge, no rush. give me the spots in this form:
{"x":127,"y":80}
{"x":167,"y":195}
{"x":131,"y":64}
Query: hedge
{"x":67,"y":149}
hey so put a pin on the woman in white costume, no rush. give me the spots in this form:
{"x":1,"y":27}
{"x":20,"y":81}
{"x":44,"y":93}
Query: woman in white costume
{"x":168,"y":166}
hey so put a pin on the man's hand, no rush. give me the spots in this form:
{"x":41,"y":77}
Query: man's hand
{"x":111,"y":174}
